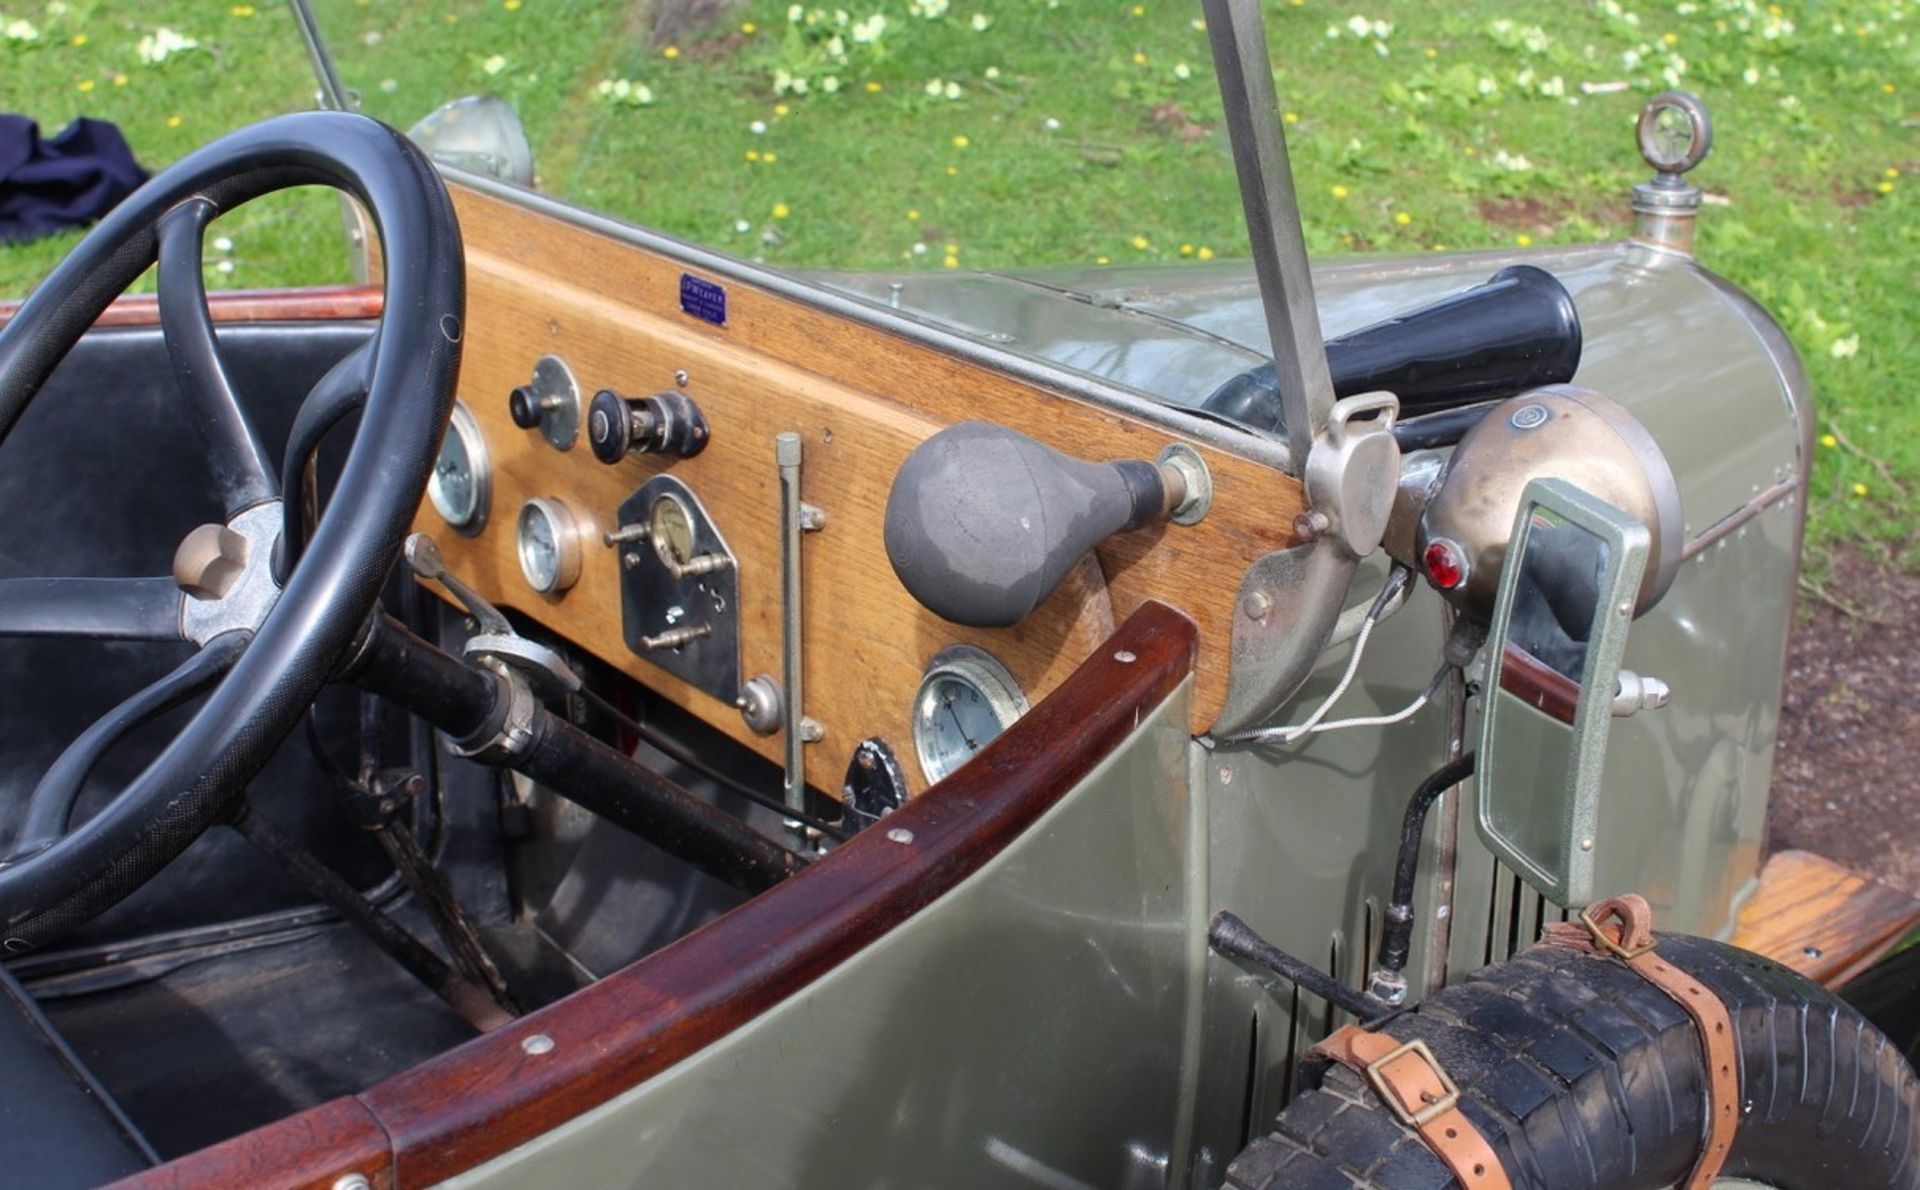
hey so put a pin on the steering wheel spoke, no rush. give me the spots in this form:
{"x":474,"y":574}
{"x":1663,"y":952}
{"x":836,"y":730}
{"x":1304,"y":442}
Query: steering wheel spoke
{"x":92,"y":608}
{"x":50,"y":807}
{"x":241,"y":469}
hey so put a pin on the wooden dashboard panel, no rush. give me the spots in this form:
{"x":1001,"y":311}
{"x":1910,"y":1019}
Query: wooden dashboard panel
{"x":862,"y":399}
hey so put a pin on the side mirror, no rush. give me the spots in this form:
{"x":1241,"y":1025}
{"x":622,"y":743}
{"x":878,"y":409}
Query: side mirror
{"x":1566,"y":597}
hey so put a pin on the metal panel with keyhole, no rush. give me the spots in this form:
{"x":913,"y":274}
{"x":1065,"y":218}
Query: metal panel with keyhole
{"x":679,"y":587}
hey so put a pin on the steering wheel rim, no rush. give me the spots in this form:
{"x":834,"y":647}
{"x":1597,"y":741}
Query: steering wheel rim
{"x":319,"y":612}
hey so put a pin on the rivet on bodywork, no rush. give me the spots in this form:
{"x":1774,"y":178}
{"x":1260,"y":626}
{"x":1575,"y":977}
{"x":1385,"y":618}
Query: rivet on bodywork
{"x":900,"y":834}
{"x":538,"y":1044}
{"x":1257,"y":604}
{"x":352,"y":1181}
{"x":1125,"y":657}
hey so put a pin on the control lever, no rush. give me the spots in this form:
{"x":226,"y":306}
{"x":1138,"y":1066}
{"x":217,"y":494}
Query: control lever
{"x":983,"y":523}
{"x":546,"y":671}
{"x":664,"y":423}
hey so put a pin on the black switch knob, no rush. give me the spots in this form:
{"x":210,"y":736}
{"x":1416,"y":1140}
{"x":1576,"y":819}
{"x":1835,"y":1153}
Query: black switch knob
{"x":665,"y":423}
{"x":523,"y":405}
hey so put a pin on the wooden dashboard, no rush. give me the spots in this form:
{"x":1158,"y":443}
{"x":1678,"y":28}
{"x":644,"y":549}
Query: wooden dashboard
{"x":861,"y":398}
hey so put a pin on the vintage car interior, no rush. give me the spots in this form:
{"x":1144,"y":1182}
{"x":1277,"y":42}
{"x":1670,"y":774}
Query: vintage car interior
{"x":436,"y":708}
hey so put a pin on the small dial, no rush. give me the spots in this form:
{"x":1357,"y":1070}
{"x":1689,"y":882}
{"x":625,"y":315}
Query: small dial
{"x":462,"y":477}
{"x":965,"y":700}
{"x":549,"y":541}
{"x":670,"y":526}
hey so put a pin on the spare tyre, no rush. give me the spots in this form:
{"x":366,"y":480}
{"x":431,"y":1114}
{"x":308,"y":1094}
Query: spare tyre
{"x":1581,"y":1073}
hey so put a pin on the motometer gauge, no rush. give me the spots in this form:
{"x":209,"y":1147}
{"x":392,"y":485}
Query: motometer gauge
{"x":965,"y":700}
{"x":462,"y":480}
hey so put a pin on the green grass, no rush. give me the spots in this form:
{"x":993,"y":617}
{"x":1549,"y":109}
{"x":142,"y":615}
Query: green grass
{"x":1089,"y":131}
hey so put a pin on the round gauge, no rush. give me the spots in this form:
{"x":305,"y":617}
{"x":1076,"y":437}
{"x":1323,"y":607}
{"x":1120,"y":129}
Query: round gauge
{"x":965,"y":700}
{"x":549,"y":541}
{"x":462,"y":479}
{"x":670,"y":526}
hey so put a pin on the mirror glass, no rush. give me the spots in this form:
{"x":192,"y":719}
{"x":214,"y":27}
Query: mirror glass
{"x":1557,"y":636}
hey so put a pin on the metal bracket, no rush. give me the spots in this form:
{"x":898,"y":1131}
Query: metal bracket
{"x":681,"y":614}
{"x":1290,"y":601}
{"x":546,"y":671}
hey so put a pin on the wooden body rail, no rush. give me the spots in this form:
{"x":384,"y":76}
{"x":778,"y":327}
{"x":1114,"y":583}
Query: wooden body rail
{"x":490,"y":1095}
{"x":247,"y":305}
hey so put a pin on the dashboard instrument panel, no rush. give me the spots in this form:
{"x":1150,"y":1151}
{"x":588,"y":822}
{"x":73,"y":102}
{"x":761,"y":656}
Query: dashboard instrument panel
{"x":860,"y":399}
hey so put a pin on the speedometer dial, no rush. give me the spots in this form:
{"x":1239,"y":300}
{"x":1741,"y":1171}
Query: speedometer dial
{"x":965,"y":701}
{"x":462,"y":479}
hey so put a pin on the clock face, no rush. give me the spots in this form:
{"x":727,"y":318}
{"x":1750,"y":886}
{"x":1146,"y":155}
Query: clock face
{"x":462,"y":477}
{"x":549,"y":546}
{"x":965,"y":701}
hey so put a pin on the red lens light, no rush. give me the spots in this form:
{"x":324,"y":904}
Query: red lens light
{"x":1444,"y":565}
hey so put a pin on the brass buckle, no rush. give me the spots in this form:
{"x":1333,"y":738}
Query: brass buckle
{"x":1601,"y":940}
{"x":1391,"y":1097}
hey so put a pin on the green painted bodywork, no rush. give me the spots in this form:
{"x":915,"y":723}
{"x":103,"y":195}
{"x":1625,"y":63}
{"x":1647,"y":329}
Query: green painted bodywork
{"x":1057,"y":1019}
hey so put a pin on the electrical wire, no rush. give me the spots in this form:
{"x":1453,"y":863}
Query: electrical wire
{"x":1397,"y":580}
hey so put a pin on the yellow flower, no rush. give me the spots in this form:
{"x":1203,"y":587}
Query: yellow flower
{"x":961,"y":142}
{"x":1403,"y":218}
{"x":1859,"y":489}
{"x":1523,"y":239}
{"x":79,"y":39}
{"x":950,"y":249}
{"x":1101,"y":260}
{"x":1186,"y":249}
{"x":511,"y":5}
{"x":119,"y":80}
{"x":769,"y":158}
{"x":1889,"y":88}
{"x":173,"y":121}
{"x":86,"y":84}
{"x":749,"y":28}
{"x":913,"y":215}
{"x":1829,"y":441}
{"x":1439,"y":247}
{"x":1885,"y":187}
{"x":780,"y":210}
{"x":781,"y":109}
{"x":873,"y":88}
{"x":1139,"y":59}
{"x":753,"y":154}
{"x":672,"y":51}
{"x":1205,"y":253}
{"x":951,"y":263}
{"x":1142,"y":243}
{"x":1432,"y":53}
{"x":1470,"y":150}
{"x":246,"y":10}
{"x":953,"y":171}
{"x":1340,"y":191}
{"x":1139,"y":10}
{"x":1291,"y":117}
{"x":1670,"y":38}
{"x":1893,"y":171}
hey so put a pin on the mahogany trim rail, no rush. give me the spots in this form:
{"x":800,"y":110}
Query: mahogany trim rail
{"x":490,"y":1095}
{"x":1538,"y":684}
{"x":248,"y":305}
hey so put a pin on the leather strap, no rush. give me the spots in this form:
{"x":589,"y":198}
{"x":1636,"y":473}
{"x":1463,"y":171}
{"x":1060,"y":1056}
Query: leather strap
{"x":1418,"y":1092}
{"x":1623,"y":928}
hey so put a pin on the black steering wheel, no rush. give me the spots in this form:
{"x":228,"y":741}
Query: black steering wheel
{"x":274,"y":621}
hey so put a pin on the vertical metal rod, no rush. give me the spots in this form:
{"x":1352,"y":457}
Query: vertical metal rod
{"x":1241,"y":60}
{"x":333,"y":94}
{"x":786,"y":453}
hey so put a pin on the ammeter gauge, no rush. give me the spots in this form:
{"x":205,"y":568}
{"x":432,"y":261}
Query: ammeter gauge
{"x":966,"y":699}
{"x":462,"y":480}
{"x":549,"y":545}
{"x":670,"y":527}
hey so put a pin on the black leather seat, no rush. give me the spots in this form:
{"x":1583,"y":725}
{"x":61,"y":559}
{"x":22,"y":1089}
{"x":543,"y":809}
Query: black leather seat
{"x":58,"y":1127}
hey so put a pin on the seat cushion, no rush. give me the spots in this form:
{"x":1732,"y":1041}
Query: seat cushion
{"x":55,"y":1120}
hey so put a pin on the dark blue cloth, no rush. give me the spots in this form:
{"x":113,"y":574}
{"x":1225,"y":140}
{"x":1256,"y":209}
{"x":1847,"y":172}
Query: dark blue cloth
{"x":69,"y":181}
